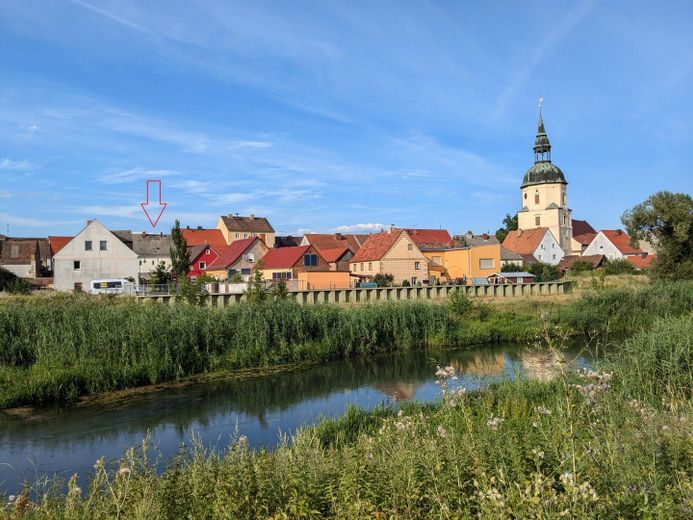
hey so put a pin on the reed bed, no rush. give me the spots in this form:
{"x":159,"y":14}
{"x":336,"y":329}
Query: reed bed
{"x":611,"y":443}
{"x":56,"y":349}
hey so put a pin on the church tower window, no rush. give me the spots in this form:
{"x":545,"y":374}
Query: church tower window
{"x":537,"y":221}
{"x":536,"y":198}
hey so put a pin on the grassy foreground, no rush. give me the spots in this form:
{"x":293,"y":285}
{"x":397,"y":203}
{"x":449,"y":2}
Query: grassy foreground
{"x":56,"y":349}
{"x":610,"y":444}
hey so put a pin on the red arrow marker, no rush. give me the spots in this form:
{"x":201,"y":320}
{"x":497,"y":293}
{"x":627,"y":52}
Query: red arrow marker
{"x":162,"y":205}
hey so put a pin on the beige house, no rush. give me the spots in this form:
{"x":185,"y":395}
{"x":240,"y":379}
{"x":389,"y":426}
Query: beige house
{"x":391,"y":252}
{"x":235,"y":227}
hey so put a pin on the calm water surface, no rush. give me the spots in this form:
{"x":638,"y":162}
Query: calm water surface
{"x":65,"y":441}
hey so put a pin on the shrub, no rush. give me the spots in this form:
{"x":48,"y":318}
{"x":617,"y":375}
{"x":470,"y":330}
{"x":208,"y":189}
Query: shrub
{"x":512,"y":268}
{"x":18,"y":286}
{"x":384,"y":280}
{"x":6,"y":277}
{"x":618,"y":266}
{"x":581,"y":266}
{"x":544,"y":272}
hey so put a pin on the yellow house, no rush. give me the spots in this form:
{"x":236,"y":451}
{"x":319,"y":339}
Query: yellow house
{"x":464,"y":262}
{"x":235,"y":227}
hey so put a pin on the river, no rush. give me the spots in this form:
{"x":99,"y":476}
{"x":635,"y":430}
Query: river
{"x":66,"y":440}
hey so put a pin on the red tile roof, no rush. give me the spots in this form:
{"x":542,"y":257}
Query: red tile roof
{"x":333,"y":254}
{"x":621,"y":241}
{"x":197,"y":237}
{"x":230,"y":254}
{"x":376,"y":245}
{"x":57,"y":243}
{"x":583,"y":232}
{"x":430,"y":237}
{"x":334,"y":240}
{"x":285,"y":257}
{"x":524,"y":241}
{"x":639,"y":262}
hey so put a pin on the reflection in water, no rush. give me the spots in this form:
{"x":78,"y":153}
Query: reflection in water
{"x":68,"y":440}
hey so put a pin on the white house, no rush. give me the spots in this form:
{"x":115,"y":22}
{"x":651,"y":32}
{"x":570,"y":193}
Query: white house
{"x":614,"y":244}
{"x":95,"y":253}
{"x":538,"y":243}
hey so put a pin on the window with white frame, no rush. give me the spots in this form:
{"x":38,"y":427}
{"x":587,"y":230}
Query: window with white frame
{"x":417,"y":265}
{"x":77,"y":265}
{"x":310,"y":260}
{"x":486,"y":263}
{"x":203,"y":265}
{"x":103,"y":245}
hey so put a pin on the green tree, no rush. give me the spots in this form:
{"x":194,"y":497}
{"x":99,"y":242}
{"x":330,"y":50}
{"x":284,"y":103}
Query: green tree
{"x":235,"y":278}
{"x":511,"y":268}
{"x":160,"y":275}
{"x":6,"y":277}
{"x":509,"y":224}
{"x":180,"y":257}
{"x":580,"y":266}
{"x":618,"y":266}
{"x":280,"y":290}
{"x":18,"y":286}
{"x":666,"y":219}
{"x":384,"y":280}
{"x":544,"y":272}
{"x":257,"y":289}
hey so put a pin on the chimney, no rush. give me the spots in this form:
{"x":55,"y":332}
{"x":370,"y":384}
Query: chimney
{"x":618,"y":232}
{"x":199,"y":227}
{"x":187,"y":227}
{"x":485,"y":236}
{"x":339,"y":236}
{"x":252,"y":217}
{"x":89,"y":222}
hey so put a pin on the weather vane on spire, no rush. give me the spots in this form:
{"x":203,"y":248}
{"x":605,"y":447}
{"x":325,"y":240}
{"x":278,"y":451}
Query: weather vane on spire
{"x":541,"y":102}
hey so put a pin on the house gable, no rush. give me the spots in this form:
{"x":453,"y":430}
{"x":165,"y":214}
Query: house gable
{"x":94,"y":231}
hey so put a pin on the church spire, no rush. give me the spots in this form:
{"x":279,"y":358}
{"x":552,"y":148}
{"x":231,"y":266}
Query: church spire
{"x":542,"y":146}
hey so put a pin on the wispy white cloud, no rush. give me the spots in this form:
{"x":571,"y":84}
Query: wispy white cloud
{"x":135,"y":174}
{"x":33,"y":222}
{"x":8,"y":164}
{"x":5,"y":194}
{"x":360,"y":228}
{"x":109,"y":211}
{"x":255,"y":145}
{"x":556,"y":34}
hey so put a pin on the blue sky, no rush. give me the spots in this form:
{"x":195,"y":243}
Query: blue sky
{"x":336,"y":115}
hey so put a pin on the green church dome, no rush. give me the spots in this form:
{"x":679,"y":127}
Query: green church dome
{"x":543,"y":172}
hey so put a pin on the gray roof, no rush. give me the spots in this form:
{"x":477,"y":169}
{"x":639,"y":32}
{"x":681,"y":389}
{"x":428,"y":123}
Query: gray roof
{"x":251,"y":223}
{"x":518,"y":274}
{"x":195,"y":251}
{"x":507,"y":254}
{"x":145,"y":244}
{"x":480,"y":240}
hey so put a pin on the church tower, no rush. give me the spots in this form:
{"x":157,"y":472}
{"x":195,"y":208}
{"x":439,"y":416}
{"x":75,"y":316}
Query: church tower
{"x":544,"y":194}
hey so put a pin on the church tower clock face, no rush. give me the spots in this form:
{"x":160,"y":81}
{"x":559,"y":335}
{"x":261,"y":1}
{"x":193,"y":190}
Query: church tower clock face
{"x":544,"y":193}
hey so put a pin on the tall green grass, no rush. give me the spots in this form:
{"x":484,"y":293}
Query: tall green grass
{"x":620,"y":448}
{"x":56,"y":349}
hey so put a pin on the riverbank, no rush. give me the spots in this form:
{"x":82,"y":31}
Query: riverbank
{"x":57,"y":349}
{"x":611,"y":443}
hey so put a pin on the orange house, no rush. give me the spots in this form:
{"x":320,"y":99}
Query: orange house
{"x":463,"y":262}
